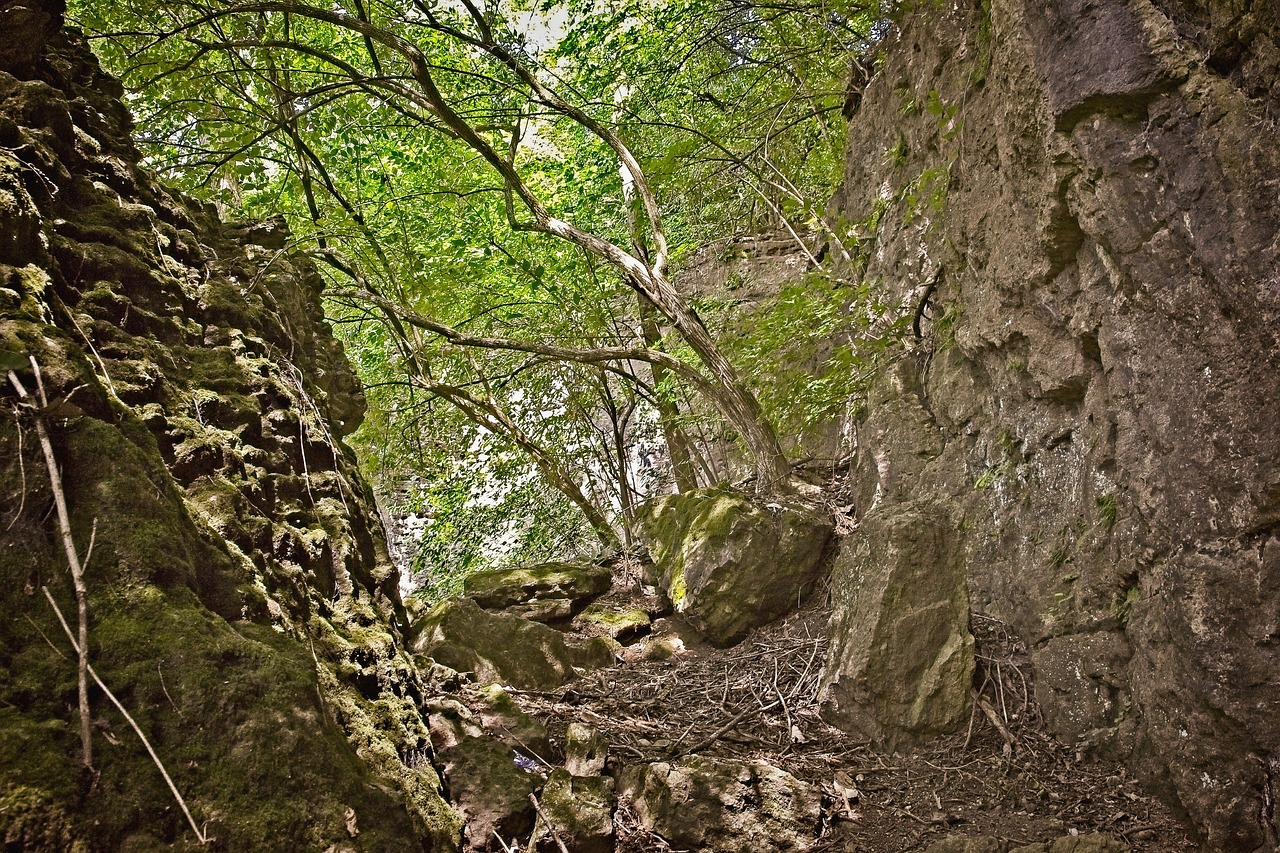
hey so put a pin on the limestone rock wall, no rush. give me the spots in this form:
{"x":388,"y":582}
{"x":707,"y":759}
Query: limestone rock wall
{"x":243,"y":605}
{"x":1086,"y":196}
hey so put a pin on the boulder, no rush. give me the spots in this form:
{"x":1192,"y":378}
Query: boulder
{"x":900,"y":668}
{"x":580,"y":808}
{"x":490,"y":788}
{"x":449,"y":722}
{"x":497,"y":647}
{"x":722,"y":806}
{"x":585,"y":750}
{"x":619,"y":622}
{"x":730,"y":564}
{"x":544,"y":593}
{"x":503,"y":719}
{"x":593,"y":652}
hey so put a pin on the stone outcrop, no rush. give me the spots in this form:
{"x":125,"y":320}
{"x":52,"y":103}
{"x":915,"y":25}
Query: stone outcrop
{"x":546,"y":592}
{"x":1076,"y":204}
{"x":903,"y":669}
{"x":729,"y":564}
{"x":723,"y":806}
{"x":242,"y":604}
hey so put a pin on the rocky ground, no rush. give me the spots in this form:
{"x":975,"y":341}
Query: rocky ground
{"x":693,"y":747}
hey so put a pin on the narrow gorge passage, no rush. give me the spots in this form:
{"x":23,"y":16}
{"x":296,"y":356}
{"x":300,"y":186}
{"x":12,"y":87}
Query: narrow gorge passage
{"x":416,"y":375}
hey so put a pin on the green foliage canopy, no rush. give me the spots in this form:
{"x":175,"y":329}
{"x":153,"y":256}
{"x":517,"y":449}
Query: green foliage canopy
{"x":730,"y":112}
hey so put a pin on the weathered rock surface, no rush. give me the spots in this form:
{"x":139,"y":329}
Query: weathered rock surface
{"x":242,"y":605}
{"x":728,"y":564}
{"x":490,"y":789}
{"x":723,"y":806}
{"x":903,"y":667}
{"x":581,"y":810}
{"x":1084,"y":195}
{"x":585,"y":750}
{"x":496,"y":647}
{"x":546,"y":592}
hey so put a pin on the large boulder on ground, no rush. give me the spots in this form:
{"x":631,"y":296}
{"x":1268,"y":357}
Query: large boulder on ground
{"x":730,"y":564}
{"x":544,"y":593}
{"x":496,"y":647}
{"x":900,"y":668}
{"x":722,"y":806}
{"x":489,"y":784}
{"x":580,"y":810}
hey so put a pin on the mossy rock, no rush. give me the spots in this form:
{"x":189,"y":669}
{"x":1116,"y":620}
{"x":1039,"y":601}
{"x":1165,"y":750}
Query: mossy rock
{"x":32,"y":821}
{"x":594,"y":652}
{"x":730,"y":563}
{"x":576,"y":583}
{"x":620,"y":623}
{"x":504,"y":719}
{"x":496,"y":647}
{"x":490,"y":789}
{"x":581,"y":810}
{"x":723,"y":806}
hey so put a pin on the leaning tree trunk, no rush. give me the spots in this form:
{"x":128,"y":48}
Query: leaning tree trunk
{"x":679,"y":445}
{"x":727,"y":391}
{"x":488,"y":415}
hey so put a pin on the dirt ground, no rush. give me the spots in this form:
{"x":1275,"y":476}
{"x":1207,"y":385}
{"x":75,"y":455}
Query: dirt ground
{"x":1003,"y":777}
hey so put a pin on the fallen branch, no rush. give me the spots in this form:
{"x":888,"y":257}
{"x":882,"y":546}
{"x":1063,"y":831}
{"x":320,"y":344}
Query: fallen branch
{"x":73,"y":557}
{"x":715,"y":736}
{"x":551,"y":827}
{"x":991,"y":715}
{"x":136,"y":728}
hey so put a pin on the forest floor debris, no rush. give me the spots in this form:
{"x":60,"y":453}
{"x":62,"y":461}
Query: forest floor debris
{"x":1003,"y":777}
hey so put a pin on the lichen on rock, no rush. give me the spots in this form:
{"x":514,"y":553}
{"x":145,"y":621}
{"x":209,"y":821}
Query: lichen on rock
{"x":730,"y":564}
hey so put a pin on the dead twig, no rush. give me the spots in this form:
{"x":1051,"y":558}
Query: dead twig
{"x":991,"y":715}
{"x":73,"y":557}
{"x":551,"y":827}
{"x":166,"y":690}
{"x":129,"y":717}
{"x":22,"y":475}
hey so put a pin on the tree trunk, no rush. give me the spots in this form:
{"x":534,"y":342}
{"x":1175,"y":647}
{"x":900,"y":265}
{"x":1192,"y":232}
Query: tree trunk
{"x":679,"y":446}
{"x":729,"y":393}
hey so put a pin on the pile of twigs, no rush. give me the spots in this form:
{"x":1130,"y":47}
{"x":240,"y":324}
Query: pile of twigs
{"x":758,"y":696}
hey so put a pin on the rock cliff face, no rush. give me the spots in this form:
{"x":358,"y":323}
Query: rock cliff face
{"x":243,"y":606}
{"x":1085,"y":196}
